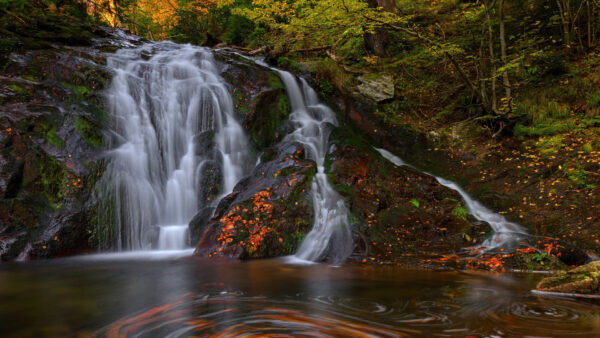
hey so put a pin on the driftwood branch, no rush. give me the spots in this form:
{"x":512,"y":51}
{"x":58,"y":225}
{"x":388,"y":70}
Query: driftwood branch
{"x":564,"y":294}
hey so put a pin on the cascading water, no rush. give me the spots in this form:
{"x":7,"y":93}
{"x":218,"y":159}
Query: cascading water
{"x":165,"y":101}
{"x":506,"y":234}
{"x":330,"y":238}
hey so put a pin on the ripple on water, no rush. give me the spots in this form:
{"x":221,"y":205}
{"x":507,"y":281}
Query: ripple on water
{"x":234,"y":314}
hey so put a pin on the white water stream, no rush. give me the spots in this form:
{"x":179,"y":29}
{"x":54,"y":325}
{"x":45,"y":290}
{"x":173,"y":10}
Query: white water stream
{"x":506,"y":234}
{"x":162,"y":97}
{"x":330,"y":238}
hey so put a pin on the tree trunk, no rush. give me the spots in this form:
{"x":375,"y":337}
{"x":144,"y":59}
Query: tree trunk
{"x":589,"y":25}
{"x":506,"y":81}
{"x":564,"y":10}
{"x":377,"y":41}
{"x":492,"y":56}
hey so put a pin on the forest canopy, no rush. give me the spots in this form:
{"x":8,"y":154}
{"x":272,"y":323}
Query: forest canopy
{"x":484,"y":58}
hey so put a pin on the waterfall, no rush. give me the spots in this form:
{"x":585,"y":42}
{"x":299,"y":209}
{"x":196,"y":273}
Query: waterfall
{"x":330,"y":238}
{"x":506,"y":234}
{"x":166,"y":101}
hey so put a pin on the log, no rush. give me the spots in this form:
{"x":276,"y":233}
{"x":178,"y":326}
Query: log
{"x":564,"y":294}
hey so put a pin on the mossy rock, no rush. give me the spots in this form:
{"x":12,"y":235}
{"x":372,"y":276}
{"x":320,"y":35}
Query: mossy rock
{"x":272,"y":109}
{"x":267,"y":215}
{"x":534,"y":261}
{"x":583,"y":280}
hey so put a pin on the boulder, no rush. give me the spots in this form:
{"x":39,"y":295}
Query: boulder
{"x":267,"y":214}
{"x":584,"y":279}
{"x":378,"y":88}
{"x":51,"y":143}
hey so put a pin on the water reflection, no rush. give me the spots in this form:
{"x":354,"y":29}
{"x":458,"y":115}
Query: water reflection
{"x":187,"y":297}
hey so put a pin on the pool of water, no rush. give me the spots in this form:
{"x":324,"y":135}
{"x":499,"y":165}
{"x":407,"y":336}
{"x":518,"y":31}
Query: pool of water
{"x":181,"y":297}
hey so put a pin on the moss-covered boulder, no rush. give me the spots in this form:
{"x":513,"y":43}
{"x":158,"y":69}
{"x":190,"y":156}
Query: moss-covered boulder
{"x":268,"y":213}
{"x":584,"y":279}
{"x":259,"y":98}
{"x":51,"y":141}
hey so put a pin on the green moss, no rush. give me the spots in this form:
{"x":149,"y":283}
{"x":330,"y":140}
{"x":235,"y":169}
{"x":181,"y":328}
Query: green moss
{"x":544,"y":129}
{"x":287,"y":63}
{"x":325,"y":87}
{"x":550,"y":145}
{"x":81,"y":92}
{"x":346,"y":136}
{"x":460,"y":212}
{"x":274,"y":82}
{"x":89,"y":132}
{"x":272,"y":108}
{"x":53,"y":139}
{"x":47,"y":176}
{"x":593,"y":100}
{"x":16,"y":88}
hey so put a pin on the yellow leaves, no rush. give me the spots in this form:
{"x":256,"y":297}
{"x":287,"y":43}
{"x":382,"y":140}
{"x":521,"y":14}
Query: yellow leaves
{"x":372,"y":60}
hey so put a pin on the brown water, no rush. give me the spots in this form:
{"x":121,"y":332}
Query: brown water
{"x":186,"y":297}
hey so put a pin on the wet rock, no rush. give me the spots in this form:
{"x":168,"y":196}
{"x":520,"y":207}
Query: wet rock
{"x":259,"y":98}
{"x":204,"y":144}
{"x":378,"y":88}
{"x":573,"y":256}
{"x":51,"y":122}
{"x":267,"y":214}
{"x":400,"y":211}
{"x":272,"y":109}
{"x":583,"y":280}
{"x":210,"y":182}
{"x":526,"y":260}
{"x":198,"y":224}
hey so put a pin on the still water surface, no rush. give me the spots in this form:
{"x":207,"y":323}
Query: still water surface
{"x":187,"y":297}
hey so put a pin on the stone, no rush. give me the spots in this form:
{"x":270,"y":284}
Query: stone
{"x":584,"y":279}
{"x":267,"y":214}
{"x":378,"y":89}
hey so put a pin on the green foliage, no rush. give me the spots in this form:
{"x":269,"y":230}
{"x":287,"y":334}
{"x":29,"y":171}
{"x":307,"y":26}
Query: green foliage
{"x":238,"y":28}
{"x":329,"y":75}
{"x":540,"y":258}
{"x":543,"y":129}
{"x":576,"y":175}
{"x":352,"y":51}
{"x":415,"y":202}
{"x":593,"y":100}
{"x":287,"y":63}
{"x":325,"y":87}
{"x":547,"y":145}
{"x":460,"y":212}
{"x":18,"y":5}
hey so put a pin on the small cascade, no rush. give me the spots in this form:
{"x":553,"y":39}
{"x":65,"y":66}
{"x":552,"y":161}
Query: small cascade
{"x":173,"y":237}
{"x":506,"y":234}
{"x":330,"y":238}
{"x":172,"y":120}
